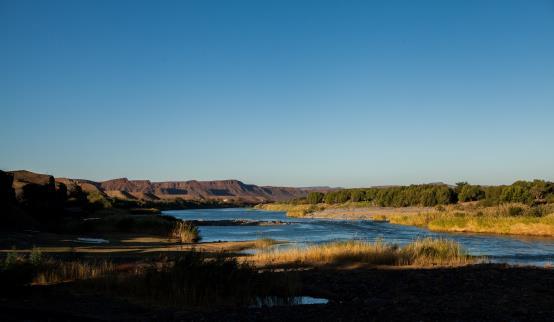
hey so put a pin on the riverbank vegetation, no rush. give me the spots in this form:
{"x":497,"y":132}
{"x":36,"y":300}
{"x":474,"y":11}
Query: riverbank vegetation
{"x":423,"y":252}
{"x":430,"y":195}
{"x":191,"y":278}
{"x":264,"y":242}
{"x":524,"y":207}
{"x":185,"y":232}
{"x":518,"y":219}
{"x":187,"y":279}
{"x":159,"y":283}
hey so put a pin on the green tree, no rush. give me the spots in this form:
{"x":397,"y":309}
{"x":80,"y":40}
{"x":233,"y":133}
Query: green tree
{"x":330,"y":198}
{"x":315,"y":197}
{"x":540,"y":189}
{"x":342,"y":196}
{"x":357,"y":195}
{"x":460,"y":185}
{"x":470,"y":193}
{"x":515,"y":193}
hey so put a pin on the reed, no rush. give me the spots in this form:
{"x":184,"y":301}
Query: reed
{"x":515,"y":219}
{"x":56,"y":271}
{"x":196,"y":279}
{"x":185,"y":232}
{"x":421,"y":252}
{"x":262,"y":243}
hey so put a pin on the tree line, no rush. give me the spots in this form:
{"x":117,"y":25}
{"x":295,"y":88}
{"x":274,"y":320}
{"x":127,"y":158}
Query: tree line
{"x":429,"y":195}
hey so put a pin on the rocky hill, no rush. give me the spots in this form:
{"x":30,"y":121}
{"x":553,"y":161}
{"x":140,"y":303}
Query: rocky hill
{"x":125,"y":189}
{"x":198,"y":190}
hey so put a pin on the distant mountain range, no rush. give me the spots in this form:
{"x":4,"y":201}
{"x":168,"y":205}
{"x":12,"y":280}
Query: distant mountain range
{"x":125,"y":189}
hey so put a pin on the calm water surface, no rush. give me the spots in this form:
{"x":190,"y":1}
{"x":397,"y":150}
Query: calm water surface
{"x":506,"y":249}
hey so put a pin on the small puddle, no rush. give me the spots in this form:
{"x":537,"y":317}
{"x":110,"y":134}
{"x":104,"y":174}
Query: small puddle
{"x":249,"y":251}
{"x":271,"y":301}
{"x":92,"y":240}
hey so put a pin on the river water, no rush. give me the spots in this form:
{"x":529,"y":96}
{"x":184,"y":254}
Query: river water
{"x":302,"y":231}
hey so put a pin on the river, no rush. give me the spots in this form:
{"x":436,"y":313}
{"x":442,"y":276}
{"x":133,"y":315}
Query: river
{"x":301,"y":231}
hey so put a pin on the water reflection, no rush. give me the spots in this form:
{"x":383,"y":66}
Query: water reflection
{"x":270,"y":301}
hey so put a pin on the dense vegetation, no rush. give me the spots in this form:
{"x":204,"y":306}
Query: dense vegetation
{"x":512,"y":218}
{"x":428,"y":195}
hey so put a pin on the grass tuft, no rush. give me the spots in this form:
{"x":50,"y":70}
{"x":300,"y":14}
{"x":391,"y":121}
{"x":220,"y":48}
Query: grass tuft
{"x":265,"y":243}
{"x":55,"y":271}
{"x":423,"y":252}
{"x":185,"y":232}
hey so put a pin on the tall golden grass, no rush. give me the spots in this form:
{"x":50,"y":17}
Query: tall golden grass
{"x":422,"y":252}
{"x":185,"y":232}
{"x":516,"y":219}
{"x":187,"y":279}
{"x":264,"y":242}
{"x":53,"y":271}
{"x":300,"y":210}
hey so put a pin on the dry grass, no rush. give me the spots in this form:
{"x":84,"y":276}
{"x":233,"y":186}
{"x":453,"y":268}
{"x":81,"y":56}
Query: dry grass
{"x":185,"y":232}
{"x":513,"y":219}
{"x":423,"y":252}
{"x":292,"y":210}
{"x":264,"y":243}
{"x":52,"y":272}
{"x":195,"y":279}
{"x":187,"y":279}
{"x":347,"y":210}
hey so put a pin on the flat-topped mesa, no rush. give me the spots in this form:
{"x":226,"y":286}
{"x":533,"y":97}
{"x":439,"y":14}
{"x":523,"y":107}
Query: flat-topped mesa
{"x":124,"y":184}
{"x":123,"y":188}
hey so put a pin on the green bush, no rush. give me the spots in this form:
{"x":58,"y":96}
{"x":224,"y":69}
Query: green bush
{"x":470,"y":193}
{"x":315,"y":197}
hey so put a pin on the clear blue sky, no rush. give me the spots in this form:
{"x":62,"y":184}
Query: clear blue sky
{"x":299,"y":93}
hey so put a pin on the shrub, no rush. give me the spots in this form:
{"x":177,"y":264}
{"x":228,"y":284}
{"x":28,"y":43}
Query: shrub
{"x":185,"y":232}
{"x":11,"y":259}
{"x":470,"y":193}
{"x":314,"y":197}
{"x":357,"y":195}
{"x":265,"y":242}
{"x":97,"y":201}
{"x":35,"y":257}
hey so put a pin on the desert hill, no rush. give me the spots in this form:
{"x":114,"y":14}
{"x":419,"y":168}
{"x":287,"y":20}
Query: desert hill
{"x":198,"y":190}
{"x":222,"y":190}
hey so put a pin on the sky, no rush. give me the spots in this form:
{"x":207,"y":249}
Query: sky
{"x":293,"y":93}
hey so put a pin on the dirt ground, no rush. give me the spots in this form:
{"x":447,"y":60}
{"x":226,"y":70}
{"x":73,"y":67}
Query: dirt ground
{"x":485,"y":292}
{"x":473,"y":293}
